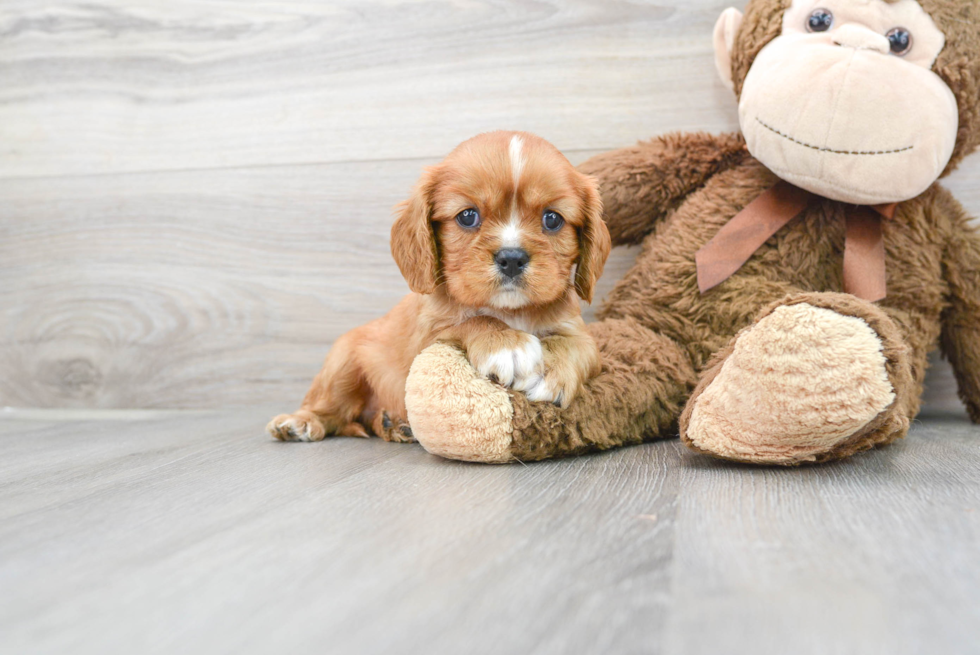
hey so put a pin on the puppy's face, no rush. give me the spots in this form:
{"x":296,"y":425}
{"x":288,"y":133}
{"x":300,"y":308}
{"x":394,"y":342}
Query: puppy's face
{"x":501,"y":223}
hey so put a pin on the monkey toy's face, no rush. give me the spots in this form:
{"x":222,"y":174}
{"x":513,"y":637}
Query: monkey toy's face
{"x":844,"y":103}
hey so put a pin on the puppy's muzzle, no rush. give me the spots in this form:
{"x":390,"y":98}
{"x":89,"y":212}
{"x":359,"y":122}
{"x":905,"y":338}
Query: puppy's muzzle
{"x":511,"y":262}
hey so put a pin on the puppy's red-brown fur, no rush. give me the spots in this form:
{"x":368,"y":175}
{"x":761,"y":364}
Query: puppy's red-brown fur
{"x":525,"y":332}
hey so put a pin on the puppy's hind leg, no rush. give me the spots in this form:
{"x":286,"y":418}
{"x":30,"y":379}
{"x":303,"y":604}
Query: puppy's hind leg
{"x":336,"y":398}
{"x":392,"y":427}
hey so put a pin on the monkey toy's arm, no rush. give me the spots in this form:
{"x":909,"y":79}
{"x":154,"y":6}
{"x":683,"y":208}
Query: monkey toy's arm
{"x":961,"y":321}
{"x":641,"y":184}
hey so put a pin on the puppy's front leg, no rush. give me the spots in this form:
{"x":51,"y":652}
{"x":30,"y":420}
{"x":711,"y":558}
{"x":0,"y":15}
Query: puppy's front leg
{"x":509,"y":357}
{"x":571,"y":358}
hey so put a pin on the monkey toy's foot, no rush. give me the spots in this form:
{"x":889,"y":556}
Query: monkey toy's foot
{"x":818,"y":377}
{"x":457,"y":413}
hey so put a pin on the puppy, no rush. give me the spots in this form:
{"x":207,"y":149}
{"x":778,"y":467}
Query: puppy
{"x":487,"y":244}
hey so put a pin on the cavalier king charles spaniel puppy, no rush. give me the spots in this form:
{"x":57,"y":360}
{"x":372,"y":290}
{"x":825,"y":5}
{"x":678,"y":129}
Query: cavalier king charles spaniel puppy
{"x":487,"y":244}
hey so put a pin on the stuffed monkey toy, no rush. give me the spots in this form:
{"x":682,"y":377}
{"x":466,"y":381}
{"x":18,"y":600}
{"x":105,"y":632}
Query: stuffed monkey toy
{"x":793,"y":277}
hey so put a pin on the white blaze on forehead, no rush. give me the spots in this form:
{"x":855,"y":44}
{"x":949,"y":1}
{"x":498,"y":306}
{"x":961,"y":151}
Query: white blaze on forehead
{"x":516,"y":159}
{"x":510,"y":235}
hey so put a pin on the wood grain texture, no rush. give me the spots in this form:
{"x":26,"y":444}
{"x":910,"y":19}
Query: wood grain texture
{"x":118,"y":86}
{"x":163,"y":532}
{"x":172,"y":291}
{"x":195,"y":196}
{"x":348,"y":548}
{"x":190,"y":289}
{"x":202,"y":289}
{"x":815,"y":560}
{"x":195,"y":201}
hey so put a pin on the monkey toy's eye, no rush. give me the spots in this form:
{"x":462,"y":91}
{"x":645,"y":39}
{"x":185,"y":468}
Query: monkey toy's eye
{"x":552,"y":221}
{"x":820,"y":20}
{"x":900,"y":40}
{"x":468,"y":218}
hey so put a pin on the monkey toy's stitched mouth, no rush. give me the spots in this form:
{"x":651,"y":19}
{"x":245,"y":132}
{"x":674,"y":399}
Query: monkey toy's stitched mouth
{"x":863,"y":153}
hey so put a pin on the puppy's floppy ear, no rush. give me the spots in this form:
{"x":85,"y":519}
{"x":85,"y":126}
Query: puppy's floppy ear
{"x":594,"y":241}
{"x":413,"y":238}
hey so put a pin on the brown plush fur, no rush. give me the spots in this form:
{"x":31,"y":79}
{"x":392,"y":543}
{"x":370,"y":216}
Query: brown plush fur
{"x":659,"y":332}
{"x":663,"y":342}
{"x":638,"y":396}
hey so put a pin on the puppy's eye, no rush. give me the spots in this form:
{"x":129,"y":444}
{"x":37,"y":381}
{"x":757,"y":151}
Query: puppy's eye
{"x":820,"y":20}
{"x":552,"y":221}
{"x":900,"y":40}
{"x":468,"y":218}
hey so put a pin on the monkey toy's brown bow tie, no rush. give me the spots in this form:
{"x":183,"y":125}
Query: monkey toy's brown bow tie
{"x":864,"y":252}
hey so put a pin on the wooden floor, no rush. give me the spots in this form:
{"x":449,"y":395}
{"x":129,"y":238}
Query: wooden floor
{"x":190,"y":532}
{"x":195,"y":201}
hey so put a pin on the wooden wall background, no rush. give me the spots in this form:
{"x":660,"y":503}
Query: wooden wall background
{"x":195,"y":195}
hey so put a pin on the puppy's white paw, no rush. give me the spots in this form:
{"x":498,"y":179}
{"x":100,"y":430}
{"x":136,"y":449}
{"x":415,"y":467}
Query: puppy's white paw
{"x":295,"y":430}
{"x":542,"y":390}
{"x":517,"y":366}
{"x":301,"y":426}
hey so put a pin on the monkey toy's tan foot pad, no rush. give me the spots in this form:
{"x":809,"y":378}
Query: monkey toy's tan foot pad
{"x":458,"y":413}
{"x":454,"y":411}
{"x":802,"y":383}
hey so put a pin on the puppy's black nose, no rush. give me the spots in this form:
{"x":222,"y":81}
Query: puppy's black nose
{"x":511,"y":261}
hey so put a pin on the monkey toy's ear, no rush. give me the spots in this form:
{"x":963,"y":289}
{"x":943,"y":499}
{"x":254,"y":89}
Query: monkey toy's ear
{"x":725,"y":31}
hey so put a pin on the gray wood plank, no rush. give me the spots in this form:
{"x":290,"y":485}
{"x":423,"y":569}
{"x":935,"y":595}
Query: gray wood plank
{"x":177,"y":532}
{"x":189,"y":290}
{"x":872,"y":555}
{"x":201,"y":289}
{"x":118,"y":86}
{"x":198,"y":535}
{"x":193,"y":290}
